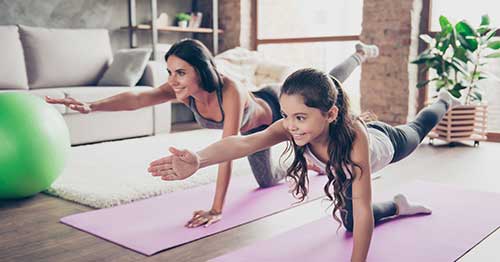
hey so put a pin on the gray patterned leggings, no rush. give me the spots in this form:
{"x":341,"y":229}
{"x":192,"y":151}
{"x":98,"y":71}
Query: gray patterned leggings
{"x":265,"y":171}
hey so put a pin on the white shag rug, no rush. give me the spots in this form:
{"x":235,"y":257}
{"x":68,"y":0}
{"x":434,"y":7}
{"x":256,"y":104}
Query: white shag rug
{"x":113,"y":173}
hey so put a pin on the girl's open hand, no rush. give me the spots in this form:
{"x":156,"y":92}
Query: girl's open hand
{"x":180,"y":165}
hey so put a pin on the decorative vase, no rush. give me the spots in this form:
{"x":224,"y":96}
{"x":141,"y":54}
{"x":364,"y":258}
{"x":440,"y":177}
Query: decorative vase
{"x":182,"y":24}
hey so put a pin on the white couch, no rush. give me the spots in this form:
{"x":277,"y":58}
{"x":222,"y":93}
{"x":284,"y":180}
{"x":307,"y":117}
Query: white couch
{"x":70,"y":62}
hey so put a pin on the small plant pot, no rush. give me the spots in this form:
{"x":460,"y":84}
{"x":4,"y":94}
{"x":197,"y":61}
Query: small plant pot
{"x":463,"y":123}
{"x":182,"y":24}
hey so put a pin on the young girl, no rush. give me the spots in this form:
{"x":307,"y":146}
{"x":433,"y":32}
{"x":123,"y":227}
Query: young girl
{"x":318,"y":124}
{"x":216,"y":102}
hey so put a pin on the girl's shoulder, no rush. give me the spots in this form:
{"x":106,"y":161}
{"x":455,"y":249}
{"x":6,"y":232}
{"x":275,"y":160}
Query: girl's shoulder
{"x":360,"y":129}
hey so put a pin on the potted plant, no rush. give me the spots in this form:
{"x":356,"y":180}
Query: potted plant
{"x":457,"y":55}
{"x":182,"y":19}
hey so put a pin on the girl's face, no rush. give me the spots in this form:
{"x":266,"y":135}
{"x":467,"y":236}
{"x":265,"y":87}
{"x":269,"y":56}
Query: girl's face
{"x":305,"y":124}
{"x":183,"y":78}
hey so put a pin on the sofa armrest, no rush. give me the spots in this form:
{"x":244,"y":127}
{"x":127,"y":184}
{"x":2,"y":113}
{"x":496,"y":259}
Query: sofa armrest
{"x":154,"y":75}
{"x":162,"y":118}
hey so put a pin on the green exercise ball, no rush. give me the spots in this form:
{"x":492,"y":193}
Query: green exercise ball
{"x":34,"y":144}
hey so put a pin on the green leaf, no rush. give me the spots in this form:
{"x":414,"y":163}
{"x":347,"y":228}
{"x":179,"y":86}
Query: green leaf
{"x":444,"y":45}
{"x":459,"y":66}
{"x":468,"y":44}
{"x":485,"y":20}
{"x":478,"y":96}
{"x":494,"y":45}
{"x":465,"y":29}
{"x":493,"y":55}
{"x":459,"y":86}
{"x":466,"y":35}
{"x":423,"y":59}
{"x":491,"y":33}
{"x":441,"y":83}
{"x":460,"y":54}
{"x":482,"y":30}
{"x":455,"y":93}
{"x":428,"y":39}
{"x":446,"y":27}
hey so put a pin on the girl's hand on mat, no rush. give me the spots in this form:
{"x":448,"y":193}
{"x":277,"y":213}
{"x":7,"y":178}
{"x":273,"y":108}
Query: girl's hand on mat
{"x":204,"y":218}
{"x":180,"y":165}
{"x":71,"y":103}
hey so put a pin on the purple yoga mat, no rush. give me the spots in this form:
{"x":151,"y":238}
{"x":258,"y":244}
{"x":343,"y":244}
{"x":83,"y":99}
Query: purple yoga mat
{"x":460,"y":220}
{"x":152,"y":225}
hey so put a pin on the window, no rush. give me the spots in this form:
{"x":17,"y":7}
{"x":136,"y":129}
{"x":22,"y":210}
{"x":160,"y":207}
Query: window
{"x":318,"y":34}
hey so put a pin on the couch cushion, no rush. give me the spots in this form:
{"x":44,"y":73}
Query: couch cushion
{"x":42,"y":93}
{"x":92,"y":93}
{"x":12,"y":67}
{"x":65,"y":57}
{"x":127,"y":68}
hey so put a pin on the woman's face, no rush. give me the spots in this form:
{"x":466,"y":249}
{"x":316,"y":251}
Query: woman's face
{"x":305,"y":124}
{"x":183,"y":78}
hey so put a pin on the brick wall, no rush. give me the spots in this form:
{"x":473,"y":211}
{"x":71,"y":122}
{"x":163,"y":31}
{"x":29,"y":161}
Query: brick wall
{"x":234,"y":19}
{"x":388,"y":82}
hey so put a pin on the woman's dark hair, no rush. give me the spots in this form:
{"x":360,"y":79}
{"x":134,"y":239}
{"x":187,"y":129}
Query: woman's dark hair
{"x":197,"y":55}
{"x":323,"y":91}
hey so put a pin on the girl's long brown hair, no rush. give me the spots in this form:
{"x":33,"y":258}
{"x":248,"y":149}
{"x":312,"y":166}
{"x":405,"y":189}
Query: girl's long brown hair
{"x":323,"y":91}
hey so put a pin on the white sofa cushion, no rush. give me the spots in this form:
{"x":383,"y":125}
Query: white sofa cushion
{"x":12,"y":67}
{"x":93,"y":93}
{"x":65,"y":57}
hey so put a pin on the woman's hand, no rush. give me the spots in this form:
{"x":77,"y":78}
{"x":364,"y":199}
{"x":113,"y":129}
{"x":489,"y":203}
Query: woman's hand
{"x":180,"y":165}
{"x":71,"y":103}
{"x":204,"y":218}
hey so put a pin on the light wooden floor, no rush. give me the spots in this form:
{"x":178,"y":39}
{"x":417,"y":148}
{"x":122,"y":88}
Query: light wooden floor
{"x":30,"y":231}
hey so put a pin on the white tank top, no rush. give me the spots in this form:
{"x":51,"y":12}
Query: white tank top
{"x":380,"y":146}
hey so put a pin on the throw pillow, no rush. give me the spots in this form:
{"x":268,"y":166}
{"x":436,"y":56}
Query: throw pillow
{"x":127,"y":68}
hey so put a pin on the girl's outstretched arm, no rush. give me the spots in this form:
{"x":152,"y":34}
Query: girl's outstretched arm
{"x":184,"y":163}
{"x":361,"y":196}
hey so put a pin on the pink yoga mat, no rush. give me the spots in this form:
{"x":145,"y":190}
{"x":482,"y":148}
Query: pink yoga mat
{"x":152,"y":225}
{"x":460,"y":220}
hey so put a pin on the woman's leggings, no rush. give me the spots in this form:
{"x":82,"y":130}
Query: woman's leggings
{"x":405,"y":139}
{"x":266,"y":173}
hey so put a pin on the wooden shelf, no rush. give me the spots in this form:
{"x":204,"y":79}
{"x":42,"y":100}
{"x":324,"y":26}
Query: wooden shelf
{"x":175,"y":29}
